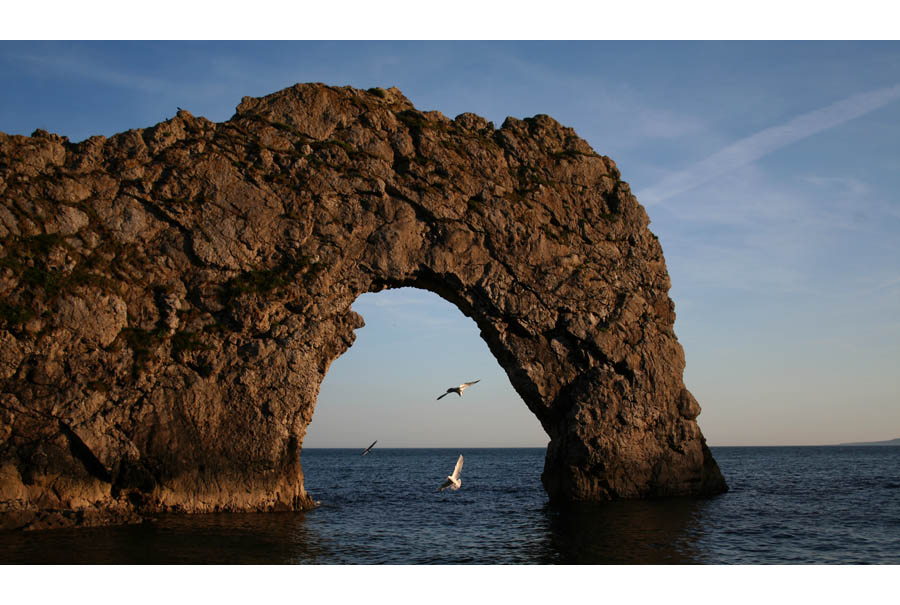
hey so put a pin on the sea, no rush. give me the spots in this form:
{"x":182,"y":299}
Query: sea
{"x":786,"y":505}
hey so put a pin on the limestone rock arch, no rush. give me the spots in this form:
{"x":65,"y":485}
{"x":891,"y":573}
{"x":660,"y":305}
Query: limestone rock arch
{"x":172,"y":298}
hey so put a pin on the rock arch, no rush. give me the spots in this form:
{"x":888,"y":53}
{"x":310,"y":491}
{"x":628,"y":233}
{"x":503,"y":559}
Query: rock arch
{"x":174,"y":296}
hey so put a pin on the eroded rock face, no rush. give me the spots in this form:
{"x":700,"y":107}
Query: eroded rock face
{"x":171,"y":299}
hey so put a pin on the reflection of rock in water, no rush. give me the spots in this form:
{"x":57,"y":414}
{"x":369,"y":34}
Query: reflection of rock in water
{"x":624,"y":532}
{"x":219,"y":538}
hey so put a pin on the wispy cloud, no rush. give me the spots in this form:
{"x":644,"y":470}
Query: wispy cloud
{"x":812,"y":234}
{"x":201,"y":93}
{"x":762,"y":143}
{"x":652,"y":123}
{"x":80,"y":68}
{"x":889,"y":283}
{"x":850,"y":186}
{"x":411,"y":306}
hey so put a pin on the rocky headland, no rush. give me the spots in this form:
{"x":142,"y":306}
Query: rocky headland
{"x":171,"y":299}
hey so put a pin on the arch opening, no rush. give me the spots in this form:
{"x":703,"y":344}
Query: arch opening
{"x":414,"y":346}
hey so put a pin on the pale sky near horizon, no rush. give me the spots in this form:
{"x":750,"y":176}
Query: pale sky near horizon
{"x":769,"y":170}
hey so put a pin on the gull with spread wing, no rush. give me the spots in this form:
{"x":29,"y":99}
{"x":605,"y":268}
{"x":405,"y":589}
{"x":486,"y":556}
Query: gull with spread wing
{"x":459,"y":390}
{"x":453,"y":481}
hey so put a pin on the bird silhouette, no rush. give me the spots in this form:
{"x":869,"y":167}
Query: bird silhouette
{"x":459,"y":390}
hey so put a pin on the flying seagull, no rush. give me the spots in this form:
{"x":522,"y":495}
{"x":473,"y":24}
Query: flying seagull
{"x":453,"y":481}
{"x":458,"y":390}
{"x":369,"y":449}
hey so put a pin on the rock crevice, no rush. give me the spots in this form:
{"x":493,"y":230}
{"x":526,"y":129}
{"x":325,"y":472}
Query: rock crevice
{"x":171,"y":299}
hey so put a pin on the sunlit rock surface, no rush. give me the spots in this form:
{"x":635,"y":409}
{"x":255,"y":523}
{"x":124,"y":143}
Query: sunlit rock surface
{"x":171,"y":299}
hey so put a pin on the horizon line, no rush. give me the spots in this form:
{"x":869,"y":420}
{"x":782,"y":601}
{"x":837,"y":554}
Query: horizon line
{"x":522,"y":447}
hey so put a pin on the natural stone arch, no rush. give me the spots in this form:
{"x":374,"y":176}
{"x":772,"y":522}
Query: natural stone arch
{"x":173,"y":298}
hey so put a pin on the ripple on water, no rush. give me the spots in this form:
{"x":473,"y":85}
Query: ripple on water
{"x":786,"y":505}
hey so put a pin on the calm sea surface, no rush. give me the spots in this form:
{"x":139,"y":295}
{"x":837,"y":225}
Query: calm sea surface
{"x":786,"y":505}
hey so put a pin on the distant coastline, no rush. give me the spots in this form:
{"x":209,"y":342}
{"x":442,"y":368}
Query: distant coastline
{"x":894,"y":442}
{"x":888,"y":442}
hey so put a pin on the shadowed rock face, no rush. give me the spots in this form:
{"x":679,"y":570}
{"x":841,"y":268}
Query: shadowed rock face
{"x":171,"y":299}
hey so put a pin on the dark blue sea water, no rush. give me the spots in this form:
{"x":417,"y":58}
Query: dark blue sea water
{"x":833,"y":505}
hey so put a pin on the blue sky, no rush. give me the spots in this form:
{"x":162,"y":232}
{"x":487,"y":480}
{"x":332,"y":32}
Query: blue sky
{"x":770,"y":171}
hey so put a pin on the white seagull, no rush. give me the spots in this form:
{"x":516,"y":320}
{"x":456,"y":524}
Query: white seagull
{"x":458,"y":390}
{"x":453,"y":481}
{"x":369,"y":449}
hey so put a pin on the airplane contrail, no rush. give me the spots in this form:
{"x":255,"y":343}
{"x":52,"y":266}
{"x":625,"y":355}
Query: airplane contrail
{"x":764,"y":142}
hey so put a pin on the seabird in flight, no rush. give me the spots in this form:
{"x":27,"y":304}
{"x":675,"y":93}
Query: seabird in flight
{"x":459,"y":390}
{"x":453,"y":481}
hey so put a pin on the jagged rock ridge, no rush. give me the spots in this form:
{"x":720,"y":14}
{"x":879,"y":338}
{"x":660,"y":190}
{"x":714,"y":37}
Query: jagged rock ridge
{"x":171,"y":299}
